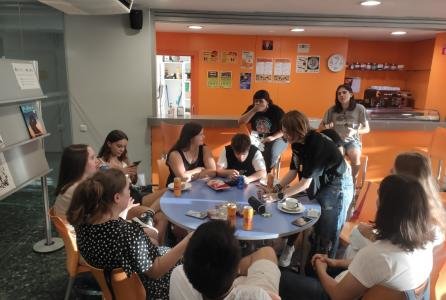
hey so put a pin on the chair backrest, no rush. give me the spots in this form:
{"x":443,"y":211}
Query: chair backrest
{"x":170,"y":133}
{"x":437,"y":150}
{"x":365,"y":209}
{"x":379,"y":292}
{"x":128,"y":288}
{"x":69,"y":241}
{"x":163,"y":172}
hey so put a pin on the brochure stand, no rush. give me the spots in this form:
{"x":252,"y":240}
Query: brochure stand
{"x":22,"y":158}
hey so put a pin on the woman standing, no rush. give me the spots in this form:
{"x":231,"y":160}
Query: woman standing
{"x":106,"y":241}
{"x":189,"y":158}
{"x":323,"y":173}
{"x":349,"y":119}
{"x":264,"y":117}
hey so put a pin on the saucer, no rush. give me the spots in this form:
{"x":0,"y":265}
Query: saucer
{"x":299,"y":209}
{"x":185,"y":186}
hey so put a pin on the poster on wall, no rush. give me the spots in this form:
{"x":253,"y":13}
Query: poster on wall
{"x":267,"y":45}
{"x":307,"y":64}
{"x":229,"y":57}
{"x":247,"y":59}
{"x":245,"y":81}
{"x":282,"y":70}
{"x":210,"y":56}
{"x":6,"y":181}
{"x":264,"y":69}
{"x":226,"y":79}
{"x":303,"y":48}
{"x":212,"y":79}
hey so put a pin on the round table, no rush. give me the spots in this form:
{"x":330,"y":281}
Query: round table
{"x":201,"y":198}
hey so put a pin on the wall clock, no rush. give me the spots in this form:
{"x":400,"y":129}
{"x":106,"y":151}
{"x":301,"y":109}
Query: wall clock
{"x":336,"y":62}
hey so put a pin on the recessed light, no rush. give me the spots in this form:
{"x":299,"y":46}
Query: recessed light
{"x":370,"y":3}
{"x":195,"y":27}
{"x":297,"y":30}
{"x":398,"y":33}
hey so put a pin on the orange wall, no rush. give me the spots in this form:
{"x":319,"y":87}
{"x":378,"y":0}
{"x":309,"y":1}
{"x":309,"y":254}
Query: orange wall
{"x":436,"y":94}
{"x":311,"y":93}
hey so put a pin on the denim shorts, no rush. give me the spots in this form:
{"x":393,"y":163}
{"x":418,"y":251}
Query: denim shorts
{"x":353,"y":144}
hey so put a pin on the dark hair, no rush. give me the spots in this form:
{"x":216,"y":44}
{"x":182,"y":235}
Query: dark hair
{"x":262,"y":94}
{"x":113,"y":137}
{"x":94,"y":196}
{"x":211,"y":258}
{"x":338,"y":106}
{"x":72,"y":166}
{"x":240,"y":143}
{"x":189,"y":130}
{"x":403,"y":216}
{"x":296,"y":124}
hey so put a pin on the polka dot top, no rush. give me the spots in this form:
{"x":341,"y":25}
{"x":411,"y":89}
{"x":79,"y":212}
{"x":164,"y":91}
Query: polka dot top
{"x":120,"y":244}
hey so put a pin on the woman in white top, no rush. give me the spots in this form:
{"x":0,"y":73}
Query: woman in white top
{"x":400,"y":258}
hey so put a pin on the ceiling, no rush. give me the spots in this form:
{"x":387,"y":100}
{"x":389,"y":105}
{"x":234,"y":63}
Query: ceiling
{"x":420,"y":19}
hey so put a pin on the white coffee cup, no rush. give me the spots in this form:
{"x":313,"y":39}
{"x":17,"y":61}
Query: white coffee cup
{"x":291,"y":203}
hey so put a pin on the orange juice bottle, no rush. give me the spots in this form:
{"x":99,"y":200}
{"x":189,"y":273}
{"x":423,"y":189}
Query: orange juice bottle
{"x":177,"y":186}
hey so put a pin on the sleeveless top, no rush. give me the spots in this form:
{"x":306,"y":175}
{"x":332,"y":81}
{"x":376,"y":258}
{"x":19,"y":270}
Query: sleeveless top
{"x":234,"y":163}
{"x":187,"y":166}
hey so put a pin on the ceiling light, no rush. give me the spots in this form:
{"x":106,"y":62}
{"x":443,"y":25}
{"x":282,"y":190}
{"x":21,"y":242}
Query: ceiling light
{"x":370,"y":3}
{"x":195,"y":27}
{"x":399,"y":33}
{"x":297,"y":30}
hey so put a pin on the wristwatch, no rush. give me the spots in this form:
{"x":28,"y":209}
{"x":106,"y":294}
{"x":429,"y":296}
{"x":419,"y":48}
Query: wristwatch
{"x":280,"y":195}
{"x":147,"y":217}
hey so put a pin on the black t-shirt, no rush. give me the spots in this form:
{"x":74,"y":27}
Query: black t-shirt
{"x":317,"y":158}
{"x":187,"y":166}
{"x":234,"y":163}
{"x":267,"y":122}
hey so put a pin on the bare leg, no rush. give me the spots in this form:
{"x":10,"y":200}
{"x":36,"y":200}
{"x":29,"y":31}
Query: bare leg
{"x":354,"y":155}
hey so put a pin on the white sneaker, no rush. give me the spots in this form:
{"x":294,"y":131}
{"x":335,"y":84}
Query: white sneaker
{"x":285,"y":257}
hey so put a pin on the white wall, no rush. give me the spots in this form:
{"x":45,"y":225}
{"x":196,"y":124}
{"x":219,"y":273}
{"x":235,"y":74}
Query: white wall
{"x":109,"y":81}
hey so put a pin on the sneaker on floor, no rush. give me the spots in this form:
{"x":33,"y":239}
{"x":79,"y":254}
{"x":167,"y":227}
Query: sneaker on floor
{"x":285,"y":257}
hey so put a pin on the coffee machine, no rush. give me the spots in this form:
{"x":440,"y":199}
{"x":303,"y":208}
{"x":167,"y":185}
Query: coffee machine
{"x":387,"y":97}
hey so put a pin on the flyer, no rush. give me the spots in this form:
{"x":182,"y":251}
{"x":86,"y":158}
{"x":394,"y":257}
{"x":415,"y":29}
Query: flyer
{"x":210,"y":56}
{"x":212,"y":79}
{"x":6,"y":181}
{"x":282,"y":70}
{"x":264,"y":69}
{"x":247,"y":59}
{"x":226,"y":79}
{"x":245,"y":81}
{"x":229,"y":57}
{"x":307,"y":64}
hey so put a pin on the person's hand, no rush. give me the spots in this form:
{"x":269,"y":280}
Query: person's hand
{"x":351,"y":132}
{"x":329,"y":125}
{"x":259,"y":106}
{"x":270,"y":197}
{"x":130,"y":205}
{"x":320,"y":265}
{"x":233,"y":174}
{"x":130,"y":170}
{"x":268,"y":139}
{"x":329,"y":261}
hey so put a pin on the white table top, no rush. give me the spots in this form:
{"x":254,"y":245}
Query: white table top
{"x":201,"y":198}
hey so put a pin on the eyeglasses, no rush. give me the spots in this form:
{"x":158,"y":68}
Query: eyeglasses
{"x":342,"y":92}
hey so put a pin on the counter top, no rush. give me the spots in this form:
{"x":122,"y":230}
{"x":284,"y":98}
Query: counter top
{"x":231,"y":121}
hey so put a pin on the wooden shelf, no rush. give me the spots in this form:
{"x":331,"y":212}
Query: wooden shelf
{"x":7,"y":147}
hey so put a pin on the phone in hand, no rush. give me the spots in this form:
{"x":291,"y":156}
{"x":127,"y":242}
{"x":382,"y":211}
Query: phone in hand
{"x":135,"y":163}
{"x":197,"y":214}
{"x":301,"y":221}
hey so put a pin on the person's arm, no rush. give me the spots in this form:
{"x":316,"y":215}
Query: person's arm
{"x":162,"y":264}
{"x":209,"y":164}
{"x":273,"y":137}
{"x":258,"y":162}
{"x":334,"y":263}
{"x":302,"y":185}
{"x":246,"y":117}
{"x":255,"y":176}
{"x":262,"y":253}
{"x":364,"y":128}
{"x":176,"y":164}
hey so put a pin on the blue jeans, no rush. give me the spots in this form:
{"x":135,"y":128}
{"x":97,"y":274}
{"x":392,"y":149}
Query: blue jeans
{"x":272,"y":152}
{"x":335,"y":198}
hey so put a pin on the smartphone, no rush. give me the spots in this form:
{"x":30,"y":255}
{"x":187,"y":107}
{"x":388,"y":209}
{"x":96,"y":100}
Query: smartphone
{"x":302,"y":221}
{"x":135,"y":163}
{"x":197,"y":214}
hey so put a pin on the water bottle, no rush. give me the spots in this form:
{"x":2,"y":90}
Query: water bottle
{"x":240,"y":182}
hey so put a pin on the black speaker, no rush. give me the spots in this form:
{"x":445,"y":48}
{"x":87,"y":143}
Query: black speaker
{"x":136,"y":19}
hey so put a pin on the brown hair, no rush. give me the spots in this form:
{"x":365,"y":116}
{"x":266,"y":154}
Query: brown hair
{"x":240,"y":143}
{"x":296,"y":124}
{"x":113,"y":137}
{"x":403,"y":215}
{"x":94,"y":197}
{"x":418,"y":166}
{"x":72,"y":166}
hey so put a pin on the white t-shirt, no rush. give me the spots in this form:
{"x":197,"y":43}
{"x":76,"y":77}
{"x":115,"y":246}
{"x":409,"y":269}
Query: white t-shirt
{"x":257,"y":161}
{"x":63,"y":202}
{"x":262,"y":279}
{"x":383,"y":263}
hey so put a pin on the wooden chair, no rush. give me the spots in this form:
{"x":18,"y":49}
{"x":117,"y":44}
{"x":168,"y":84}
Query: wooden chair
{"x":72,"y":263}
{"x":365,"y":209}
{"x":437,"y":151}
{"x":163,"y":172}
{"x":124,"y":288}
{"x":362,"y":172}
{"x":170,"y":133}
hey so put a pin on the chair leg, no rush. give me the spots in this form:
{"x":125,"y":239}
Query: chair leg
{"x":69,"y":288}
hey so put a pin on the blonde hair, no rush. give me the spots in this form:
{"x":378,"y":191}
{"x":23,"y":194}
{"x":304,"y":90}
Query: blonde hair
{"x":417,"y":165}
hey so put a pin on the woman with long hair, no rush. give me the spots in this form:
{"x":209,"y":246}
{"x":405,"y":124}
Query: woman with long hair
{"x":264,"y":117}
{"x":349,"y":119}
{"x":107,"y":241}
{"x":190,"y":158}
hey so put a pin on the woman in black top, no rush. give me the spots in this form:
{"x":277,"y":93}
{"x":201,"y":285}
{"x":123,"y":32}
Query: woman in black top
{"x":107,"y":241}
{"x":323,"y":173}
{"x":189,"y":158}
{"x":264,"y":117}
